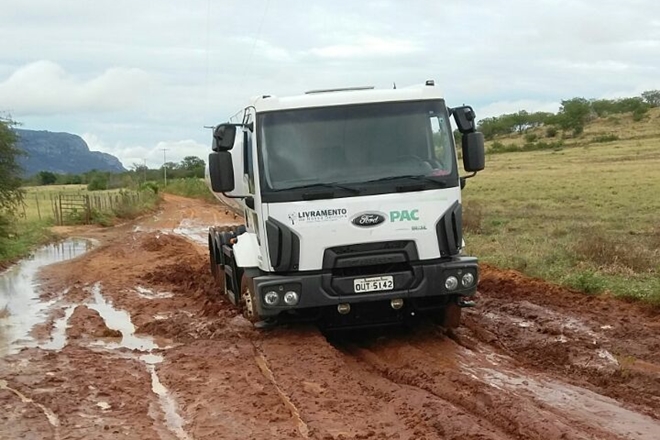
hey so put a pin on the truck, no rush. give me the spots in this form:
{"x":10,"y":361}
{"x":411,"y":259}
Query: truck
{"x":350,"y":207}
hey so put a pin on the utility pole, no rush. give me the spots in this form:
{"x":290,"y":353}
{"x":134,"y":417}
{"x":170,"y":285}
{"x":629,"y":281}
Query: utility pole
{"x":164,"y":167}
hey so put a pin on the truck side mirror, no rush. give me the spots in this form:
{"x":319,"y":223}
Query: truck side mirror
{"x":465,"y":118}
{"x":223,"y":137}
{"x":221,"y":172}
{"x":474,"y":157}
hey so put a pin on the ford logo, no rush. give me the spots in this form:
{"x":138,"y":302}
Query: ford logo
{"x":368,"y":219}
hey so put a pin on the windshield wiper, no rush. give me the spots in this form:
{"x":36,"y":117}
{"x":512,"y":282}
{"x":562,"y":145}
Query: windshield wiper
{"x":438,"y":183}
{"x":321,"y":185}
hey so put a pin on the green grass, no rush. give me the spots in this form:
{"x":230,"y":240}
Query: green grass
{"x":24,"y":237}
{"x":38,"y":199}
{"x":32,"y":223}
{"x":586,"y":216}
{"x":125,"y":204}
{"x":192,"y":187}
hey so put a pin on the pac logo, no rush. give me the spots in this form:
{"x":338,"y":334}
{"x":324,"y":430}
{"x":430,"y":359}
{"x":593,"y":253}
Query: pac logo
{"x":405,"y":215}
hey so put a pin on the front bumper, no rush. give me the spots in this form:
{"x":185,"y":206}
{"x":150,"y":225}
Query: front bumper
{"x":422,"y":279}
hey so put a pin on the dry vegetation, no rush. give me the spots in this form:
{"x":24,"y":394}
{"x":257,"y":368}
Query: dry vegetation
{"x":586,"y":215}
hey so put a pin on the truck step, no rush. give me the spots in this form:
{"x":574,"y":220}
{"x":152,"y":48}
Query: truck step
{"x":464,"y":304}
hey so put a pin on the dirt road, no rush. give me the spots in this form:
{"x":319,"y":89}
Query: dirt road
{"x":130,"y":339}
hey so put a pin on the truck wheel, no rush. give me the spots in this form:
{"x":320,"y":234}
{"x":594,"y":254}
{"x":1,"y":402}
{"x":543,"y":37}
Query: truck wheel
{"x":212,"y":257}
{"x":248,"y":300}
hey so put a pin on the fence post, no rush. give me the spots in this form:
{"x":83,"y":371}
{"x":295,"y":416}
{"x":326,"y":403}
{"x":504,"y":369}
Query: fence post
{"x":36,"y":197}
{"x":61,"y":218}
{"x":88,"y":210}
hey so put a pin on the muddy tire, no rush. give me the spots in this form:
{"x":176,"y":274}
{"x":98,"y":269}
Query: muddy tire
{"x":248,"y":300}
{"x":213,"y":262}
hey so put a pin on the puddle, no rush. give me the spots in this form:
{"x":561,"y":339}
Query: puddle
{"x":144,"y":292}
{"x":121,"y":320}
{"x":193,"y":230}
{"x":19,"y":292}
{"x":577,"y":403}
{"x":167,"y":403}
{"x":58,"y":335}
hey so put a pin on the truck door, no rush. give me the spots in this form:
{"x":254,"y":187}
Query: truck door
{"x":252,"y":210}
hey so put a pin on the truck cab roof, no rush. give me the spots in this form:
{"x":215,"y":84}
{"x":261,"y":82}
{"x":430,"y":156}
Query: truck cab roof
{"x":335,"y":97}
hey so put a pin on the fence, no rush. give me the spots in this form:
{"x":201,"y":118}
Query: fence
{"x":80,"y":208}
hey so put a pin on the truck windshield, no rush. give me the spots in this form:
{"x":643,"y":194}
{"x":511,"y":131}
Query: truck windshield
{"x":356,"y":145}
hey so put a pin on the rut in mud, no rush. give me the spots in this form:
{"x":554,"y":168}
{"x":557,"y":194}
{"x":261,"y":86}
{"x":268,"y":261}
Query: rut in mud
{"x":133,"y":339}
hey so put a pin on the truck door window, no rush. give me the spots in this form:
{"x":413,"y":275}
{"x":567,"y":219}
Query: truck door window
{"x":441,"y":140}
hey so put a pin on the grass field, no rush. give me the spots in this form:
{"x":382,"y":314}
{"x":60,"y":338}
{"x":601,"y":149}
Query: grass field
{"x":194,"y":188}
{"x":37,"y":202}
{"x":587,"y":216}
{"x":31,"y":225}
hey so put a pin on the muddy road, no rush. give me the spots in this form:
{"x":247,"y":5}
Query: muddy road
{"x":128,"y":338}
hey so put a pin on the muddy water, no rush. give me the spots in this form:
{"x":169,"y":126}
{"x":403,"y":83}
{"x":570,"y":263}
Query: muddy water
{"x":191,"y":229}
{"x":117,"y":319}
{"x":20,"y":306}
{"x":120,"y":320}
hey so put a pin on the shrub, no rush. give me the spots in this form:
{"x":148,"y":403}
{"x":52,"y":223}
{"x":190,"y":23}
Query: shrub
{"x":531,"y":137}
{"x":472,"y":217}
{"x":132,"y":205}
{"x":639,"y":113}
{"x":149,"y":186}
{"x":98,"y":183}
{"x":551,"y":131}
{"x":499,"y":147}
{"x":606,"y":138}
{"x":194,"y":188}
{"x":613,"y":254}
{"x":586,"y":281}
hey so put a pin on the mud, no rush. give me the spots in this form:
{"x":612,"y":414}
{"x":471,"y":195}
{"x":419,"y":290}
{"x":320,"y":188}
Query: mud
{"x":134,"y":340}
{"x":86,"y":322}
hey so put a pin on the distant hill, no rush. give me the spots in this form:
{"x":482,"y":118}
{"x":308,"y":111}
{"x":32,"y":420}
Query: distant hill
{"x":61,"y":153}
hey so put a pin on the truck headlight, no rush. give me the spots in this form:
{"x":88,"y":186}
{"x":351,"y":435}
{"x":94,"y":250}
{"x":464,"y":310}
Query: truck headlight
{"x":451,"y":283}
{"x":271,"y":298}
{"x":467,"y":280}
{"x":291,"y":298}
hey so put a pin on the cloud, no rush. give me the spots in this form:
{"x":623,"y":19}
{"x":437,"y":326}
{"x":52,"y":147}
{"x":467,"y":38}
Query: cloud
{"x":205,"y":59}
{"x":369,"y":47}
{"x":44,"y":87}
{"x":503,"y":107}
{"x":129,"y":154}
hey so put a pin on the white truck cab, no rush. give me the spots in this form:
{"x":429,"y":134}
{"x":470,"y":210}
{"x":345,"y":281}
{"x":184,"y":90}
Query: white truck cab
{"x":351,"y":201}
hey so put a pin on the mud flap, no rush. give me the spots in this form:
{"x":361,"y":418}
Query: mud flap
{"x":451,"y":316}
{"x":247,"y":300}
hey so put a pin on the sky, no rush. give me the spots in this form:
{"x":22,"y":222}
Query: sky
{"x":136,"y":77}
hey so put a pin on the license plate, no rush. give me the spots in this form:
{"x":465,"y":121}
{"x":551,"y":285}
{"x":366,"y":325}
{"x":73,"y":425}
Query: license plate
{"x":373,"y":284}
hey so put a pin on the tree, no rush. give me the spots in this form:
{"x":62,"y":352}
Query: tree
{"x":603,"y":107}
{"x":10,"y":171}
{"x":191,"y":166}
{"x":192,"y":162}
{"x":98,"y":183}
{"x":652,"y":97}
{"x":574,"y":114}
{"x":47,"y":178}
